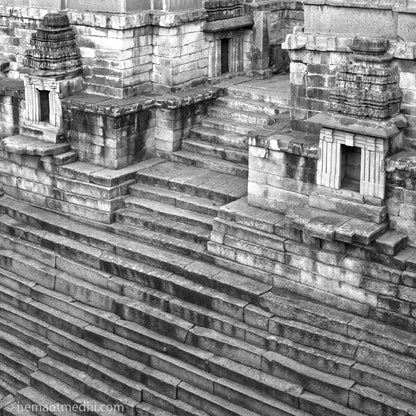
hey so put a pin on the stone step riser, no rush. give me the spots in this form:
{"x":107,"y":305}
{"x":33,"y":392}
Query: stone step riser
{"x":189,"y":160}
{"x":187,"y":220}
{"x":252,"y":119}
{"x":248,"y":95}
{"x":224,"y":154}
{"x":155,"y":194}
{"x":124,"y":218}
{"x":12,"y":379}
{"x":102,"y":341}
{"x":220,"y":138}
{"x":252,"y":106}
{"x":221,"y":124}
{"x":192,"y":190}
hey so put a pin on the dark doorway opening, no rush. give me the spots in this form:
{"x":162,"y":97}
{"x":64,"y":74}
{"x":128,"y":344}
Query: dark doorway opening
{"x":350,"y":168}
{"x":225,"y":56}
{"x":44,"y":105}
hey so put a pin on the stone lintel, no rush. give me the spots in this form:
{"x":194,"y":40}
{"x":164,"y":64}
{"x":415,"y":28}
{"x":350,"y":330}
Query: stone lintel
{"x":274,"y":5}
{"x":365,"y":127}
{"x":229,"y":24}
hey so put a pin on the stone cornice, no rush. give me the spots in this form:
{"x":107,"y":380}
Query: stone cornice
{"x":365,"y":4}
{"x":334,"y":43}
{"x":110,"y":20}
{"x":114,"y":107}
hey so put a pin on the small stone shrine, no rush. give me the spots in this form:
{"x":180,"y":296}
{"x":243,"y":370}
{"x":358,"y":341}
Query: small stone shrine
{"x":363,"y":124}
{"x":52,"y":72}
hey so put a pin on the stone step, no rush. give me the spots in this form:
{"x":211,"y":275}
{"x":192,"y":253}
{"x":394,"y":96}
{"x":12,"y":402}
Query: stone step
{"x":26,"y":145}
{"x":50,"y":367}
{"x":374,"y":403}
{"x":88,"y":385}
{"x":190,"y":180}
{"x":197,"y":274}
{"x":241,"y":116}
{"x":7,"y":394}
{"x":186,"y":240}
{"x":209,"y":162}
{"x":227,"y":368}
{"x":20,"y":348}
{"x":329,"y":386}
{"x":14,"y":410}
{"x":391,"y":243}
{"x":14,"y":378}
{"x":65,"y":158}
{"x":6,"y":398}
{"x":278,"y":93}
{"x":34,"y":399}
{"x":127,"y":309}
{"x":174,"y":213}
{"x":291,"y":306}
{"x":361,"y":211}
{"x":133,"y":389}
{"x":248,"y":105}
{"x":220,"y":137}
{"x":178,"y":199}
{"x":174,"y":370}
{"x":230,"y":154}
{"x":220,"y":123}
{"x":228,"y":326}
{"x":65,"y":394}
{"x":18,"y":362}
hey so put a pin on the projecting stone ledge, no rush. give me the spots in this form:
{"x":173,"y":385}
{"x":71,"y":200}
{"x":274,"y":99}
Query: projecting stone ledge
{"x":334,"y":227}
{"x":21,"y":144}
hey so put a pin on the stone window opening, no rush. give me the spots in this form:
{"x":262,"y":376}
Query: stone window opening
{"x":225,"y":56}
{"x":350,"y":168}
{"x":45,"y":111}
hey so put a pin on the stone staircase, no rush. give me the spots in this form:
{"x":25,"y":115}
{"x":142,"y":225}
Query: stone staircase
{"x":174,"y":203}
{"x":102,"y":319}
{"x":220,"y":143}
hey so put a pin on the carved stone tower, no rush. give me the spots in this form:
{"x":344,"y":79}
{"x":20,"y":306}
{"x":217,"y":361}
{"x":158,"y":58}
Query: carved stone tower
{"x":362,"y":126}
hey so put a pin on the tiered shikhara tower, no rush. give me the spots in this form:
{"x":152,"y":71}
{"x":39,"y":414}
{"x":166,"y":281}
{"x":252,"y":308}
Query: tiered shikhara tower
{"x":52,"y":72}
{"x":363,"y":124}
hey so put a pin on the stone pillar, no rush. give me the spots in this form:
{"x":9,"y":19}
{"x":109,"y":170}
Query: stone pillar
{"x":261,"y":43}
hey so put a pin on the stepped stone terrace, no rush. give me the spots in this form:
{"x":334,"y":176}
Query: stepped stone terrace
{"x":207,"y":208}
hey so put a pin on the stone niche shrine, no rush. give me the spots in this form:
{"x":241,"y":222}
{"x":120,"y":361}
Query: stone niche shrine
{"x":363,"y":124}
{"x":52,"y":72}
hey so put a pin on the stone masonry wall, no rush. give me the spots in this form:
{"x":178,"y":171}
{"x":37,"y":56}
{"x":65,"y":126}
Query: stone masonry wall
{"x":282,"y":174}
{"x":11,"y":107}
{"x":317,"y":52}
{"x":82,"y":190}
{"x":116,"y":50}
{"x":180,"y":57}
{"x":401,"y":193}
{"x":109,"y":140}
{"x":367,"y":281}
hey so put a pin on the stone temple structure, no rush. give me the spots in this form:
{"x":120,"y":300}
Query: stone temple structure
{"x":208,"y":207}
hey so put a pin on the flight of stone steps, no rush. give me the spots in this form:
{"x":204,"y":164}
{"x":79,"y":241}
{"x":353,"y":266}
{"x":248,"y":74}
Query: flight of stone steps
{"x":174,"y":203}
{"x":220,"y":142}
{"x":97,"y":318}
